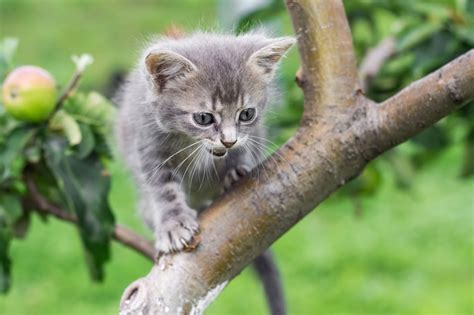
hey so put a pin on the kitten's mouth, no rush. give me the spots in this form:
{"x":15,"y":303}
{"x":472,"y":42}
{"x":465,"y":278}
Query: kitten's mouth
{"x":217,"y":153}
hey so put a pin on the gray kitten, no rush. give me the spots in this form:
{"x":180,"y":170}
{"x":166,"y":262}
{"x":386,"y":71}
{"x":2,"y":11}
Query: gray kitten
{"x":190,"y":119}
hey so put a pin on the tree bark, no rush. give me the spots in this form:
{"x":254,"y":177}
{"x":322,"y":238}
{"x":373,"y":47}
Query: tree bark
{"x":341,"y":131}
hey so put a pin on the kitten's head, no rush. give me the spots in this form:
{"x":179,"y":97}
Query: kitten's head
{"x":212,"y":87}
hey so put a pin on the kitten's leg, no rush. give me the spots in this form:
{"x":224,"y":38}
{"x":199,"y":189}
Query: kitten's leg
{"x":234,"y":175}
{"x":267,"y":270}
{"x":172,"y":220}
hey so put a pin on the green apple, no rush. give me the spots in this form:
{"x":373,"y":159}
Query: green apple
{"x":29,"y":93}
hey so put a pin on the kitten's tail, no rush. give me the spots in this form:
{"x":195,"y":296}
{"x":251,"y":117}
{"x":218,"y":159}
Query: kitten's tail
{"x":268,"y":273}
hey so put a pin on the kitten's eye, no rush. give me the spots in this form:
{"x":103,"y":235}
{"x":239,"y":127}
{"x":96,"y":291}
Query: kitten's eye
{"x":247,"y":114}
{"x":204,"y":119}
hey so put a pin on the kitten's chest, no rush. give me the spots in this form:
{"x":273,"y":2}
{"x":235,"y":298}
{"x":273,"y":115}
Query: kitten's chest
{"x":205,"y":183}
{"x":203,"y":187}
{"x":201,"y":175}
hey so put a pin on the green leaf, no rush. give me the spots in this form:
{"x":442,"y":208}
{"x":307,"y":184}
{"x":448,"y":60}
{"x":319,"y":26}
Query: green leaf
{"x":10,"y":207}
{"x":33,"y":152}
{"x":417,"y":35}
{"x":65,"y":123}
{"x":465,"y":32}
{"x":7,"y":50}
{"x":94,"y":110}
{"x":8,"y":47}
{"x":21,"y":226}
{"x":87,"y":144}
{"x":470,"y":6}
{"x":84,"y":184}
{"x":10,"y":211}
{"x":363,"y":31}
{"x":434,"y":10}
{"x":385,"y":22}
{"x":433,"y":138}
{"x":11,"y":156}
{"x":5,"y":262}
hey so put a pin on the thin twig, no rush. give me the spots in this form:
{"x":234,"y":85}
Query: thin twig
{"x":73,"y":83}
{"x":375,"y":59}
{"x":81,"y":64}
{"x":121,"y":233}
{"x":76,"y":78}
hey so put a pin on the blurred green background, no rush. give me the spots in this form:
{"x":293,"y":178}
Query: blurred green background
{"x":398,"y":240}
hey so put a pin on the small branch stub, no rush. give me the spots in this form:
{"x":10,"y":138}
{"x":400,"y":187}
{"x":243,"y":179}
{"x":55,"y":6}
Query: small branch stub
{"x":374,"y":61}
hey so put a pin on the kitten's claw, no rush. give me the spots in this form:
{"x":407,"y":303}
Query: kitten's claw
{"x":178,"y":233}
{"x":234,"y":175}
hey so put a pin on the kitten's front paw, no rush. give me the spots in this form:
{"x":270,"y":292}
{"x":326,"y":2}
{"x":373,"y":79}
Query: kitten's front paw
{"x":234,"y":175}
{"x":177,"y":232}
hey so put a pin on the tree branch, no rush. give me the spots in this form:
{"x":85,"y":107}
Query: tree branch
{"x":332,"y":146}
{"x":426,"y":101}
{"x":121,"y":234}
{"x":328,"y":65}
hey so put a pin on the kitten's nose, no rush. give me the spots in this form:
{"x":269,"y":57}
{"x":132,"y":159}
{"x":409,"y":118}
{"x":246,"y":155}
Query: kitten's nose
{"x":228,"y":144}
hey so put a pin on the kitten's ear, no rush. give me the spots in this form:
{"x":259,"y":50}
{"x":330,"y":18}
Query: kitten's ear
{"x":266,"y":59}
{"x":165,"y":66}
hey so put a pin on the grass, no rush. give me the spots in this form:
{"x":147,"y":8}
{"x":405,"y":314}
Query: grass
{"x":411,"y":252}
{"x":113,"y":31}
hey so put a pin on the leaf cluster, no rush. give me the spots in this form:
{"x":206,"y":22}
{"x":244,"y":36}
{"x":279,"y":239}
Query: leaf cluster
{"x":66,"y":157}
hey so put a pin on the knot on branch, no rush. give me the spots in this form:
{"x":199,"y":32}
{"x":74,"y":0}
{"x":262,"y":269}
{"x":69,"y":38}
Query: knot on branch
{"x":455,"y":92}
{"x":299,"y":78}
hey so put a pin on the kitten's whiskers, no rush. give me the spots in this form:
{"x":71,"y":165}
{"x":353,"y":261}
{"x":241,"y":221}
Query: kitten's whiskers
{"x":159,"y":166}
{"x":176,"y":169}
{"x":193,"y":163}
{"x":264,"y":148}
